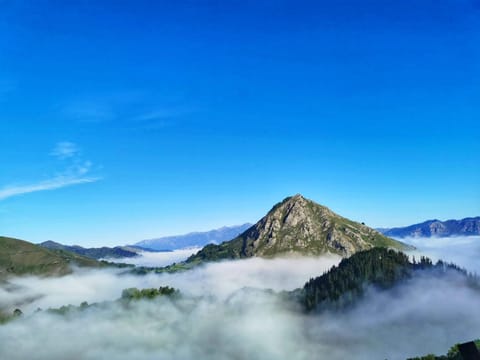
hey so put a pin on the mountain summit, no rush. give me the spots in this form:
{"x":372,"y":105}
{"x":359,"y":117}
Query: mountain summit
{"x":298,"y":225}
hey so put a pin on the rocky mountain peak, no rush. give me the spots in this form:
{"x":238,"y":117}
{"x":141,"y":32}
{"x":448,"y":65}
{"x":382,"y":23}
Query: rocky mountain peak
{"x":299,"y":225}
{"x":295,"y":200}
{"x":297,"y":209}
{"x":296,"y":197}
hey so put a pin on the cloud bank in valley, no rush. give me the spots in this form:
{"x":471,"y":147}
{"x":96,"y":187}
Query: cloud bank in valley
{"x":461,"y":250}
{"x":218,"y":320}
{"x":217,"y":280}
{"x":158,"y":259}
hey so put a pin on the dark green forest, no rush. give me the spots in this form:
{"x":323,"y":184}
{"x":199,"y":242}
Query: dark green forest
{"x":452,"y":354}
{"x":342,"y":285}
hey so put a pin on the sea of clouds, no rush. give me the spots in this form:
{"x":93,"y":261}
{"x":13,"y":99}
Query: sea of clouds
{"x":222,"y":317}
{"x":157,"y":259}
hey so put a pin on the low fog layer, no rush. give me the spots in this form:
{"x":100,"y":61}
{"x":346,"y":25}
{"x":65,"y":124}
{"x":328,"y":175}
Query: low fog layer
{"x":157,"y":259}
{"x":461,"y":250}
{"x":426,"y":315}
{"x":219,"y":280}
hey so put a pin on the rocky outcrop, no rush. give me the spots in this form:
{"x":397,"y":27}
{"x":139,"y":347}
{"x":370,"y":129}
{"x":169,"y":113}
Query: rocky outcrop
{"x":299,"y":225}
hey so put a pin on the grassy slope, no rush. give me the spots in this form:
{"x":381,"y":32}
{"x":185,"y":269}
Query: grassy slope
{"x":18,"y":257}
{"x":93,"y":253}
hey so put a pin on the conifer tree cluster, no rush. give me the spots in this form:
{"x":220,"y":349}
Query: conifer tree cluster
{"x":378,"y":267}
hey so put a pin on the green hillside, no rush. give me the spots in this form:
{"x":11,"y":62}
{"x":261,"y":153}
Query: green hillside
{"x":19,"y":257}
{"x":93,"y":253}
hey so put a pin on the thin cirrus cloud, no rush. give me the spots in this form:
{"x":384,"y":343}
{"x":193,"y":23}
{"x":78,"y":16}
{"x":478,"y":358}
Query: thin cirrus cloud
{"x":135,"y":109}
{"x":89,"y":111}
{"x":50,"y":184}
{"x":77,"y":173}
{"x":65,"y":150}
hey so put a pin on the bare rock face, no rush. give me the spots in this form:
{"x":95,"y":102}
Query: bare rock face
{"x":298,"y":225}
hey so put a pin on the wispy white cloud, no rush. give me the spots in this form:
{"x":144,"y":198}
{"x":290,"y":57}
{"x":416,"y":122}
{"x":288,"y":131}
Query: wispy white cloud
{"x":79,"y":172}
{"x":159,"y":118}
{"x":49,"y":184}
{"x":133,"y":109}
{"x":65,"y":150}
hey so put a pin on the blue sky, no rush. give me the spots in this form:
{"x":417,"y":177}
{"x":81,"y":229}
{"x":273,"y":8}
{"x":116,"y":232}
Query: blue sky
{"x":127,"y":120}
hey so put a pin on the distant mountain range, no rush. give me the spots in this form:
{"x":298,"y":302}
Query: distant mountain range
{"x":464,"y":227}
{"x":301,"y":226}
{"x":194,"y":239}
{"x":18,"y":257}
{"x":295,"y":225}
{"x":94,"y":253}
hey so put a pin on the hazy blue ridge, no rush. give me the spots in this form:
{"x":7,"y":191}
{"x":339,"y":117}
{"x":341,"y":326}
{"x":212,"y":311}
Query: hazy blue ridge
{"x":465,"y":227}
{"x":194,"y":239}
